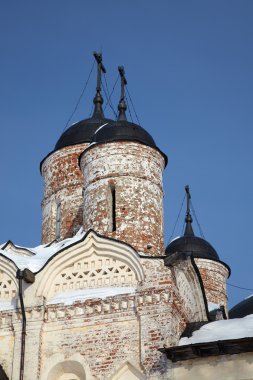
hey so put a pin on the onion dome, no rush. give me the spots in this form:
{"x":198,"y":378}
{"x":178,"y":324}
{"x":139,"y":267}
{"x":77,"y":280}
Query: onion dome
{"x":123,"y":130}
{"x":82,"y":131}
{"x":242,"y":309}
{"x":200,"y":248}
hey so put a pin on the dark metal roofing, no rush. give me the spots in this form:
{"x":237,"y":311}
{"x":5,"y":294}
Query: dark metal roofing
{"x":123,"y":130}
{"x":199,"y":247}
{"x":221,"y":347}
{"x":80,"y":132}
{"x":242,"y":309}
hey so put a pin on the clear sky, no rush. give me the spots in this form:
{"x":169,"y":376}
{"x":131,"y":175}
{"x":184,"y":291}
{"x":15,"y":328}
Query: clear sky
{"x":189,"y":70}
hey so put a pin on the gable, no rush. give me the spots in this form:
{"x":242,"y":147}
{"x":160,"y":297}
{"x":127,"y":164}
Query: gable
{"x":96,"y":262}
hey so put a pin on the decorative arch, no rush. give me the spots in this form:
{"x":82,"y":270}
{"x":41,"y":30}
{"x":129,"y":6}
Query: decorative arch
{"x":57,"y":367}
{"x":128,"y":371}
{"x":96,"y":262}
{"x":189,"y":290}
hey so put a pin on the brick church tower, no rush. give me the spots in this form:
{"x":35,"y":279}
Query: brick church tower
{"x":101,"y":298}
{"x":62,"y":205}
{"x":123,"y":190}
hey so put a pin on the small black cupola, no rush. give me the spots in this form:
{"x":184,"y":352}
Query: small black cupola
{"x":123,"y":130}
{"x":82,"y":131}
{"x":199,"y":247}
{"x":242,"y":309}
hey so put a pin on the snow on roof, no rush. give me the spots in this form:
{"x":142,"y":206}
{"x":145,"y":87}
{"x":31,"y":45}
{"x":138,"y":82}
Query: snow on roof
{"x":213,"y":306}
{"x":175,"y":238}
{"x":8,"y":305}
{"x":69,"y":298}
{"x":221,"y":330}
{"x":42,"y":253}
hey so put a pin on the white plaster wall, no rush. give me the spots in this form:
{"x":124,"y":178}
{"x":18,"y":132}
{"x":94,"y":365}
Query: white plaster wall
{"x":227,"y":367}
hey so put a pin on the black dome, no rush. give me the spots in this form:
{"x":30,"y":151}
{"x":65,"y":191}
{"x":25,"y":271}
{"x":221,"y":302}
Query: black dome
{"x":80,"y":132}
{"x":199,"y":247}
{"x":242,"y":309}
{"x":123,"y":130}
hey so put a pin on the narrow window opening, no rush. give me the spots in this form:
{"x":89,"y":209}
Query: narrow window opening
{"x":113,"y":207}
{"x":58,"y":222}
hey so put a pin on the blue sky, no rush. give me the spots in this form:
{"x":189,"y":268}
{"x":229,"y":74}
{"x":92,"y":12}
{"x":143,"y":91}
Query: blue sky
{"x":189,"y":70}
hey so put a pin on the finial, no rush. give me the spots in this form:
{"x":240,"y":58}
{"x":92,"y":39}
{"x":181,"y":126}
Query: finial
{"x":122,"y":105}
{"x":188,"y":218}
{"x":98,"y":100}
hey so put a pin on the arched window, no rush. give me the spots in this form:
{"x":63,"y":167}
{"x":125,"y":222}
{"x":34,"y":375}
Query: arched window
{"x":67,"y":370}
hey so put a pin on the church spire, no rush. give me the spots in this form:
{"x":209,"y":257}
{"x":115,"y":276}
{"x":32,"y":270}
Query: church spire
{"x":122,"y":105}
{"x":188,"y":218}
{"x":98,"y":99}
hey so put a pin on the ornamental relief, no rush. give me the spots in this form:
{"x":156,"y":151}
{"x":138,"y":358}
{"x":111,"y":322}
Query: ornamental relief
{"x":94,"y":272}
{"x":8,"y":288}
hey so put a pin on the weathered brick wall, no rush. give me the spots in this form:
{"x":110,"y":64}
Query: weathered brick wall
{"x":135,"y":172}
{"x":214,"y":276}
{"x":63,"y":183}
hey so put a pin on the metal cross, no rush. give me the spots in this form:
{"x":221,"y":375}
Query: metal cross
{"x":123,"y":82}
{"x":187,"y":189}
{"x":98,"y":58}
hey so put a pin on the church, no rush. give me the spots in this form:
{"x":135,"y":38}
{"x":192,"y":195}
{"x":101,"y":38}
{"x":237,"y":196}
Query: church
{"x":102,"y":297}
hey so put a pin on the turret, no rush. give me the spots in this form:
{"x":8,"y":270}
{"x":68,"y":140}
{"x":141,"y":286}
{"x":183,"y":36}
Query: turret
{"x":214,"y":272}
{"x":123,"y":190}
{"x":62,"y":205}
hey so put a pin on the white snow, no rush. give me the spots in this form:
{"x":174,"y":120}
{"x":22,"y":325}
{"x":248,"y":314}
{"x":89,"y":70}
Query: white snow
{"x":222,"y":330}
{"x":213,"y":306}
{"x":102,"y":126}
{"x":8,"y":305}
{"x":42,"y":253}
{"x":69,"y":298}
{"x":175,"y":238}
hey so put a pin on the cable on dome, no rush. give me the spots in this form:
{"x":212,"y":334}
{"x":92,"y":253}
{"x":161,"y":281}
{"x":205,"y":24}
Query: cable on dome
{"x":80,"y":97}
{"x":177,"y":218}
{"x":109,"y":99}
{"x":128,"y":108}
{"x":195,"y":216}
{"x":132,"y":105}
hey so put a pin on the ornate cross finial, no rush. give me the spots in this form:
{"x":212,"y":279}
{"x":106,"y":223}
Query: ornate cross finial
{"x":98,"y":100}
{"x":98,"y":58}
{"x":188,"y":217}
{"x":122,"y":105}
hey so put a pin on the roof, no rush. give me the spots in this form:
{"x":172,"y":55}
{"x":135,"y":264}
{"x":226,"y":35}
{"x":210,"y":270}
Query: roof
{"x":123,"y":130}
{"x":242,"y":309}
{"x":223,"y":337}
{"x":199,"y":247}
{"x":193,"y":351}
{"x":80,"y":132}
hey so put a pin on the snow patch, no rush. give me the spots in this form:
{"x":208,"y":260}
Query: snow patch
{"x":213,"y":306}
{"x":69,"y":298}
{"x":42,"y":253}
{"x":221,"y":330}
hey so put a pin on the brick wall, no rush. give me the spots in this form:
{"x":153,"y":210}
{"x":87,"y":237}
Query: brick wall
{"x":134,"y":171}
{"x":214,"y":276}
{"x":63,"y":183}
